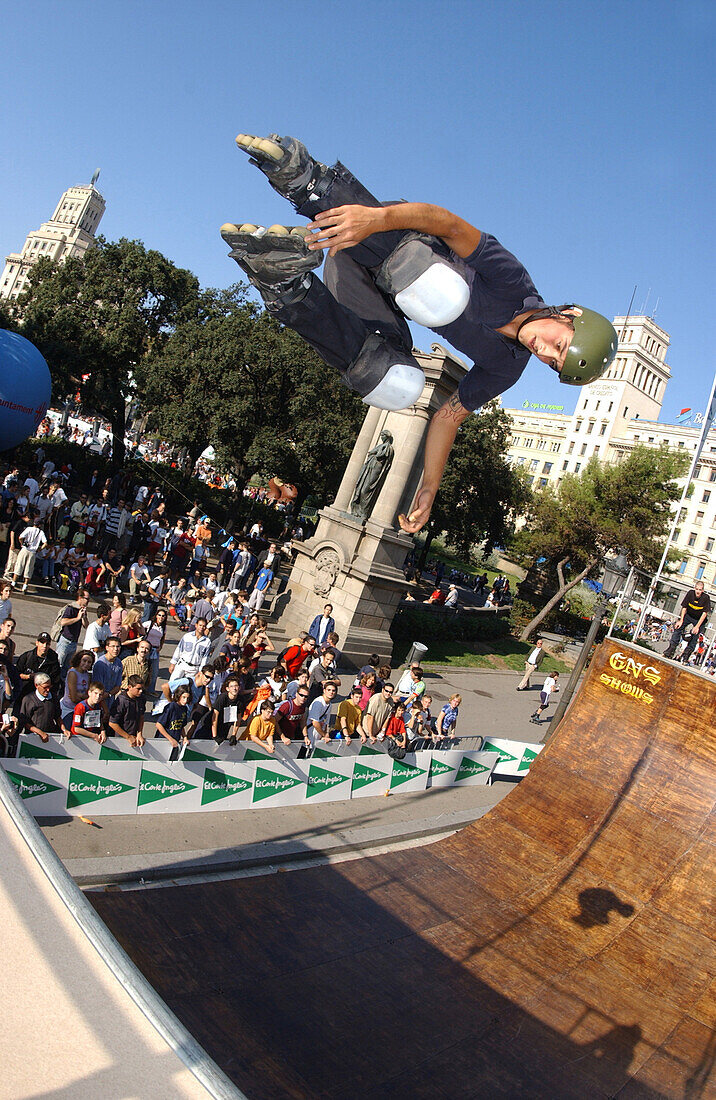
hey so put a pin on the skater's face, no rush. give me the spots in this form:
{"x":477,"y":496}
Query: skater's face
{"x":548,"y":339}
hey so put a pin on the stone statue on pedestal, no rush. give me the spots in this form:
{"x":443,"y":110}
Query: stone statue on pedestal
{"x":355,"y":559}
{"x":372,"y":476}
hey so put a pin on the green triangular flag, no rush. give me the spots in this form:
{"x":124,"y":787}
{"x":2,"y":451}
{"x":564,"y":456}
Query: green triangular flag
{"x":30,"y":788}
{"x":85,"y":787}
{"x":269,"y":783}
{"x":402,"y":773}
{"x":218,"y":785}
{"x":153,"y":787}
{"x":320,"y":779}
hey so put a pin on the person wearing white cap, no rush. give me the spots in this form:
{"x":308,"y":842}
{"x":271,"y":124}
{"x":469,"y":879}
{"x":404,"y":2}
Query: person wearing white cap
{"x":451,"y":598}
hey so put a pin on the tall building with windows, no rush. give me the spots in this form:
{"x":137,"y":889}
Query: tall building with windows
{"x":612,"y":416}
{"x":69,"y":232}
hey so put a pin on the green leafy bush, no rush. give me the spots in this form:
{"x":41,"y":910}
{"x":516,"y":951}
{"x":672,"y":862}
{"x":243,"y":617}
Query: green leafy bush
{"x":413,"y":624}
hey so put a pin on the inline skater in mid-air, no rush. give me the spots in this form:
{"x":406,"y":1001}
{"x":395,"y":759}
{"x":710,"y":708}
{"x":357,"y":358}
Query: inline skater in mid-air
{"x":389,"y":262}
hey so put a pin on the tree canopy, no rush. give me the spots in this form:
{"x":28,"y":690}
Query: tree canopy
{"x":95,"y":319}
{"x":606,"y":508}
{"x":233,"y":377}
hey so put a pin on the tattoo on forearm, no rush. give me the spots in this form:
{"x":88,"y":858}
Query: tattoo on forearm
{"x":453,"y":410}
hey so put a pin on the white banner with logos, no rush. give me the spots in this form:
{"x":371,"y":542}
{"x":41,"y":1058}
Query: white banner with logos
{"x":515,"y":757}
{"x":116,"y":779}
{"x":466,"y":769}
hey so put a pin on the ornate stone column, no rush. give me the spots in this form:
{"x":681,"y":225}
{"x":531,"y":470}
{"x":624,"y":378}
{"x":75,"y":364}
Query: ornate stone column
{"x":358,"y":565}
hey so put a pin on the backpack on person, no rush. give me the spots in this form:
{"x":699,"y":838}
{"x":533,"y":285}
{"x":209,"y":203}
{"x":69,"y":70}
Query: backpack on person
{"x":395,"y":751}
{"x":56,"y":628}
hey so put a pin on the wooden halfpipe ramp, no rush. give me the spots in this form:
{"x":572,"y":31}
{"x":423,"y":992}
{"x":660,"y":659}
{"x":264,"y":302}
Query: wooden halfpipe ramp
{"x":562,"y":946}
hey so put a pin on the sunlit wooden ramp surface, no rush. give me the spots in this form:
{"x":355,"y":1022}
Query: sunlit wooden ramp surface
{"x":562,"y":946}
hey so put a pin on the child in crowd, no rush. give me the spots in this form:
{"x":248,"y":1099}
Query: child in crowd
{"x":395,"y":730}
{"x":262,"y":727}
{"x":45,"y":562}
{"x":416,"y":722}
{"x":174,"y":719}
{"x":549,"y":687}
{"x":90,"y":716}
{"x":447,"y":718}
{"x":226,"y":712}
{"x":59,"y":577}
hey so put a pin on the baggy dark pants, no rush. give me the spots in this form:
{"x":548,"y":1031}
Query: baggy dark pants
{"x":336,"y":316}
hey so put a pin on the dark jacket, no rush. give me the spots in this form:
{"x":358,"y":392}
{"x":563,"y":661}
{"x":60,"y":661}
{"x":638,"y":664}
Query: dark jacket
{"x":30,"y":662}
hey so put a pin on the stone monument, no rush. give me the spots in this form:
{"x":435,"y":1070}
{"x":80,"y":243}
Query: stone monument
{"x":355,"y":559}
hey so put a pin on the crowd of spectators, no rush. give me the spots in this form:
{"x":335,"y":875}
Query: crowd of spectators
{"x":126,"y":571}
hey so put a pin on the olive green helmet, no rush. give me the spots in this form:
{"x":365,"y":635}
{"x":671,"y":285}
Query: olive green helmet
{"x":591,"y":350}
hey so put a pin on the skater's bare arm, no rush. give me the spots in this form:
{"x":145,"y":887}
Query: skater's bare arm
{"x":346,"y":226}
{"x":441,"y":436}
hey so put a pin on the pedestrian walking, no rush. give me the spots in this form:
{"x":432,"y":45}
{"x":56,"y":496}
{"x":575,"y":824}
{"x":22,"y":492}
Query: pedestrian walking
{"x":531,"y":665}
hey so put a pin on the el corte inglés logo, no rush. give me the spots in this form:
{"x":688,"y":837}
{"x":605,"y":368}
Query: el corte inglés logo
{"x":469,"y":767}
{"x":363,"y":776}
{"x":321,"y":780}
{"x":30,"y":788}
{"x":505,"y":756}
{"x":438,"y":768}
{"x":527,"y":757}
{"x":153,"y":786}
{"x":403,"y":773}
{"x":108,"y":752}
{"x":634,"y":670}
{"x":268,"y":783}
{"x":85,"y":787}
{"x":219,"y":785}
{"x":28,"y":749}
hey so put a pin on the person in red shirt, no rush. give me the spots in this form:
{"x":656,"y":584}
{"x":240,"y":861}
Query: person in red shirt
{"x":291,"y":717}
{"x":295,"y":655}
{"x":90,"y":715}
{"x":258,"y":642}
{"x":395,"y":728}
{"x":438,"y":596}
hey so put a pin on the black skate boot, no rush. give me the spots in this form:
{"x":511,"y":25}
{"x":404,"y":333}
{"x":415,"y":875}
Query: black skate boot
{"x":271,"y":257}
{"x":288,"y":166}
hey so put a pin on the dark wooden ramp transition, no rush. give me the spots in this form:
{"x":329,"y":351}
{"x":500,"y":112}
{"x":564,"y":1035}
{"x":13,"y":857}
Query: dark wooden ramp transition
{"x":562,"y":946}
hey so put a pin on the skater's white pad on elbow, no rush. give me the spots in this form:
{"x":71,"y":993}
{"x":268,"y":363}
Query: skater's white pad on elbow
{"x":435,"y":298}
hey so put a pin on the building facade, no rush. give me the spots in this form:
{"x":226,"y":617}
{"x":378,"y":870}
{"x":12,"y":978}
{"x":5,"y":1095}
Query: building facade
{"x":69,"y":232}
{"x":612,"y":416}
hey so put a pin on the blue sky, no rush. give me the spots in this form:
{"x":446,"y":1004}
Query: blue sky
{"x":580,"y":134}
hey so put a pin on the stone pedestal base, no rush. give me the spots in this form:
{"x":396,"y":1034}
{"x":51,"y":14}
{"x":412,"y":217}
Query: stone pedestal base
{"x":358,"y":569}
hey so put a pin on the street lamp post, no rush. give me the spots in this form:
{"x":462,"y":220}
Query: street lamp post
{"x":615,"y":570}
{"x":708,"y":421}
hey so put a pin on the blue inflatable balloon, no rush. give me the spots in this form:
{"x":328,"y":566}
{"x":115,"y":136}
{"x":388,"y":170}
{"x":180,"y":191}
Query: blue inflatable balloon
{"x":25,"y":389}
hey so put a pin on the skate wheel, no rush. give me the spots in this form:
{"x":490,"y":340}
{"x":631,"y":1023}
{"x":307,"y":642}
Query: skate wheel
{"x":244,"y":140}
{"x":229,"y":227}
{"x":269,"y":148}
{"x":277,"y":231}
{"x":300,"y":231}
{"x":248,"y":228}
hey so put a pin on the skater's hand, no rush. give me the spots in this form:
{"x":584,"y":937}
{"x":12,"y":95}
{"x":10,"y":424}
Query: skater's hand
{"x":420,"y":513}
{"x":343,"y":227}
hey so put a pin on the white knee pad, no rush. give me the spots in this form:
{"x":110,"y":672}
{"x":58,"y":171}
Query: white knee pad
{"x":399,"y":389}
{"x":426,"y":288}
{"x":435,"y":298}
{"x":385,"y":376}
